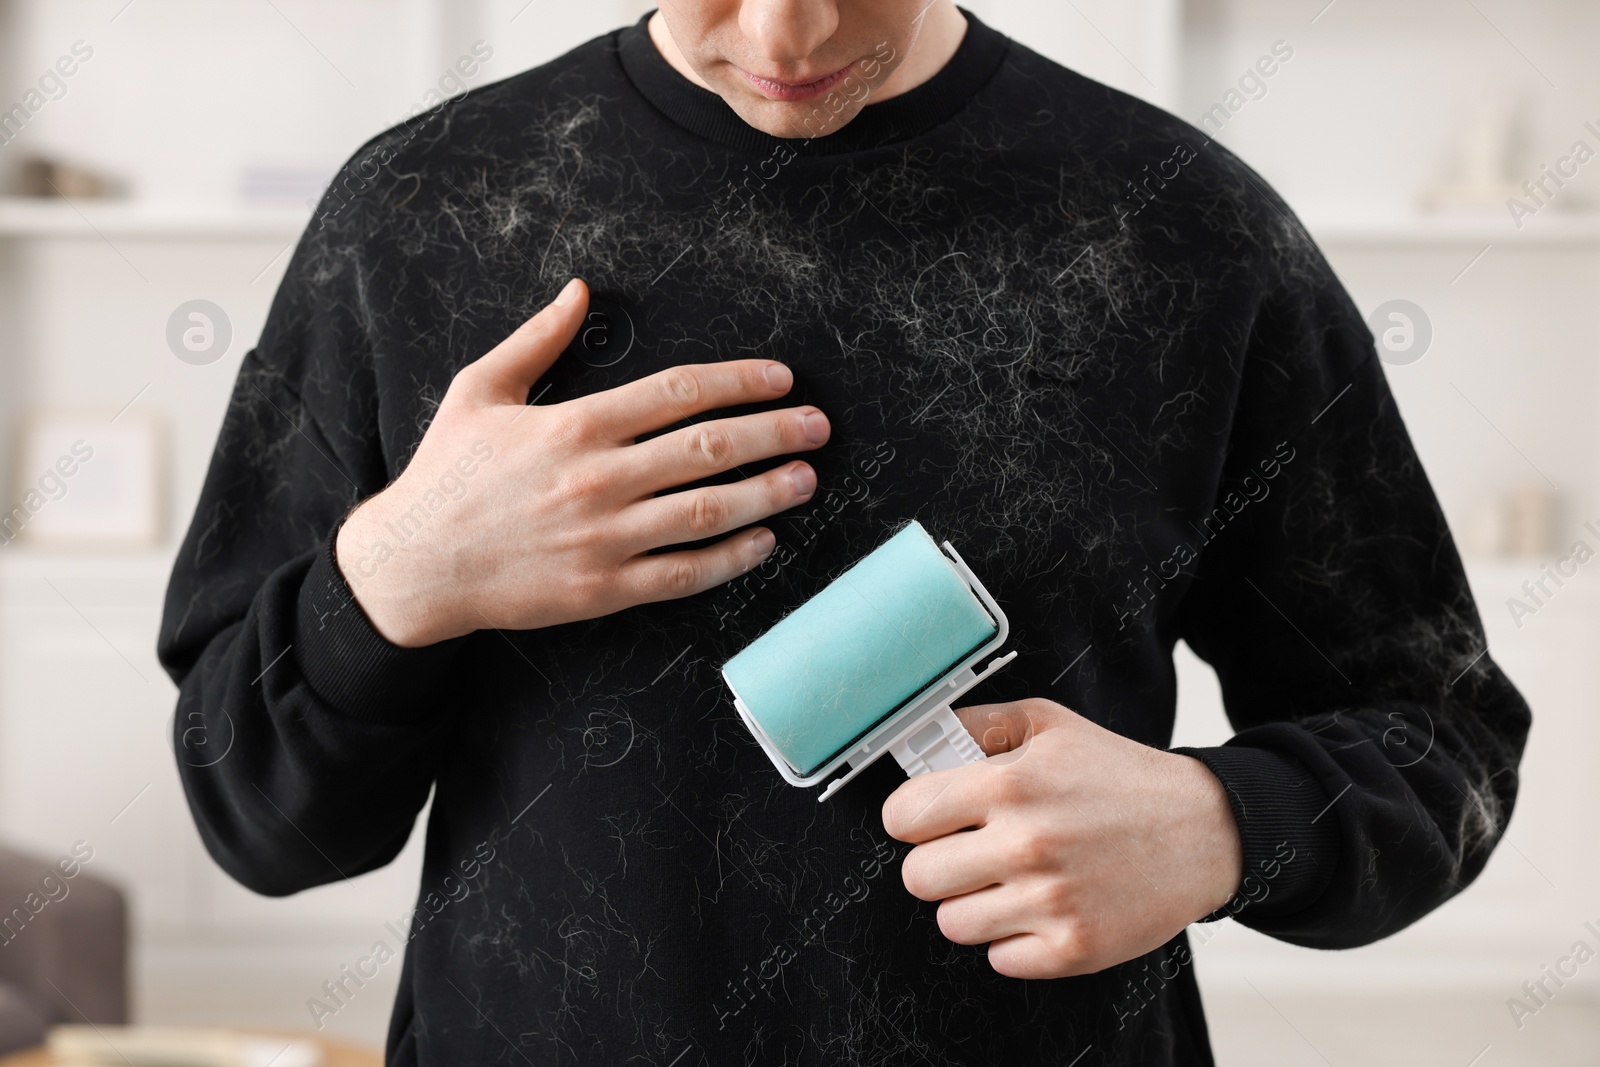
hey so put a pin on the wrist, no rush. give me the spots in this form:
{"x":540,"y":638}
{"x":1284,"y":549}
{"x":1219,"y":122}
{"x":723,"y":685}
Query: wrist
{"x":352,"y":667}
{"x":387,"y":574}
{"x":1218,"y":848}
{"x":1287,"y":819}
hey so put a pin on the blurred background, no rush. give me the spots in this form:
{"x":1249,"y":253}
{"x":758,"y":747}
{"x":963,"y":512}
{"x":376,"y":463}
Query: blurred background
{"x":157,"y":159}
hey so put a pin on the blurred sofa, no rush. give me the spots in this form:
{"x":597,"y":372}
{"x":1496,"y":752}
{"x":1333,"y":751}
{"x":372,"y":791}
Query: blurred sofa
{"x":63,"y":949}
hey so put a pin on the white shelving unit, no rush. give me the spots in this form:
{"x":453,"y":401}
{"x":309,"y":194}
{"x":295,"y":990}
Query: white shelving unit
{"x":49,"y":219}
{"x":1434,"y":231}
{"x":30,"y":218}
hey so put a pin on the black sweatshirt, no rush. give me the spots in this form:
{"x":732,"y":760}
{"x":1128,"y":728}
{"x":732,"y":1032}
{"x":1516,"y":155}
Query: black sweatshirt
{"x":1049,"y":321}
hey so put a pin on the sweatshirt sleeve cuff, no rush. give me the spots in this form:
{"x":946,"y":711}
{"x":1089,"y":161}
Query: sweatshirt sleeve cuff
{"x":350,"y":664}
{"x":1289,"y":848}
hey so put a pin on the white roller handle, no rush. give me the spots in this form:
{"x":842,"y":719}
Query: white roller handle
{"x":941,"y":743}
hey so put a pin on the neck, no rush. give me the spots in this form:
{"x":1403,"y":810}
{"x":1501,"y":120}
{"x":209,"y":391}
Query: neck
{"x":938,"y":33}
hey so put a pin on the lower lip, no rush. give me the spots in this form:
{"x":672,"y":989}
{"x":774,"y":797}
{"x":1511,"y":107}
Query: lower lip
{"x":790,"y":93}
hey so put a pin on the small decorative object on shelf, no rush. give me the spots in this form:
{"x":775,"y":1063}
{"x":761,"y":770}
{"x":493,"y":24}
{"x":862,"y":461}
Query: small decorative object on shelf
{"x":1479,"y":174}
{"x":1481,"y":533}
{"x":1530,"y":513}
{"x":1518,"y":524}
{"x":276,"y":185}
{"x":53,"y":179}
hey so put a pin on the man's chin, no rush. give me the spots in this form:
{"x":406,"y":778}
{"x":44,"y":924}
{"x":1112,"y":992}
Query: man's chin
{"x":804,"y":119}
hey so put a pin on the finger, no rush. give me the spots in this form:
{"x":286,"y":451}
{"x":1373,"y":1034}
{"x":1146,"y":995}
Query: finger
{"x":942,"y":802}
{"x":1028,"y":955}
{"x":708,"y":448}
{"x":698,"y":513}
{"x":989,"y":914}
{"x":955,"y":864}
{"x":509,"y":370}
{"x":673,"y":395}
{"x":670,"y":575}
{"x":998,"y":728}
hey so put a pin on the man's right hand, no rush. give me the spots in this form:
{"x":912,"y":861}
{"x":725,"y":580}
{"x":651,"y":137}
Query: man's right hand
{"x":519,"y":516}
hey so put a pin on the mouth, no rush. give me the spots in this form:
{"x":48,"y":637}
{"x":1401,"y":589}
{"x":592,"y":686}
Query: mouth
{"x":793,"y":91}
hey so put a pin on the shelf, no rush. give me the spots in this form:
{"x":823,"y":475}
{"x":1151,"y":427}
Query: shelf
{"x":25,"y":218}
{"x":1472,"y":230}
{"x":31,"y":579}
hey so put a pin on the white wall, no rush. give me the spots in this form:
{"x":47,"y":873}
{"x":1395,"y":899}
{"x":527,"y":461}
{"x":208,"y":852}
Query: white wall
{"x":222,"y":84}
{"x":1362,"y":116}
{"x":1130,"y":44}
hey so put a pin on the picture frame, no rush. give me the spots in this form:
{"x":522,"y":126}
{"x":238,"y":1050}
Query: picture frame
{"x":87,"y":480}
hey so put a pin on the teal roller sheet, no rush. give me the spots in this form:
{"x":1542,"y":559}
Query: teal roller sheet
{"x":893,"y":624}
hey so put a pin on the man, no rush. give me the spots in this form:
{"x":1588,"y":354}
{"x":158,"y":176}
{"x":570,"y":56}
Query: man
{"x":847,"y":263}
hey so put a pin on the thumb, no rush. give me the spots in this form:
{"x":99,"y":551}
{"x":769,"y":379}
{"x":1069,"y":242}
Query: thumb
{"x":508,"y":371}
{"x":998,"y":728}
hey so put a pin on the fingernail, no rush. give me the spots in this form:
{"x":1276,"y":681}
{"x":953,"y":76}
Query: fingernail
{"x":804,"y":479}
{"x":763,"y":541}
{"x":779,"y":376}
{"x":816,"y":427}
{"x":569,"y":295}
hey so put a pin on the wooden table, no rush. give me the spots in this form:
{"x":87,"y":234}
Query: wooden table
{"x":334,"y":1054}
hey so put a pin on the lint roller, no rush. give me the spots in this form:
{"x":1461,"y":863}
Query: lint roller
{"x":872,"y":664}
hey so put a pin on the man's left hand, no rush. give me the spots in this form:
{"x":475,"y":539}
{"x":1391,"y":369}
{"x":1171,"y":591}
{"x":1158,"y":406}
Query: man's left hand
{"x":1069,"y":850}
